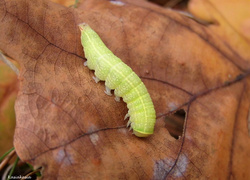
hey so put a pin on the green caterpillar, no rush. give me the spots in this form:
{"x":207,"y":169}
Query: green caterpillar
{"x":120,"y":77}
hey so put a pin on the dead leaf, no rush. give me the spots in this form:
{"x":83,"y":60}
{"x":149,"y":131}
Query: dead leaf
{"x":230,"y":22}
{"x":67,"y":124}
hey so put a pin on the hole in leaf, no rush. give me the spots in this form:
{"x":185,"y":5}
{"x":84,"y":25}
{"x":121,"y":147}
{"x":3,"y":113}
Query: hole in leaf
{"x":175,"y":122}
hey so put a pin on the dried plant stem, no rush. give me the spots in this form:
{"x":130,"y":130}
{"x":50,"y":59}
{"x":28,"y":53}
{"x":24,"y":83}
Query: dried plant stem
{"x":31,"y":173}
{"x":7,"y":159}
{"x":9,"y":63}
{"x":4,"y":176}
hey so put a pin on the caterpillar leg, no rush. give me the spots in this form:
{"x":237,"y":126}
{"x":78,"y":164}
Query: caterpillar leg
{"x":85,"y":63}
{"x":126,"y":116}
{"x":117,"y":98}
{"x":130,"y":128}
{"x":96,"y":79}
{"x":108,"y":91}
{"x":128,"y":124}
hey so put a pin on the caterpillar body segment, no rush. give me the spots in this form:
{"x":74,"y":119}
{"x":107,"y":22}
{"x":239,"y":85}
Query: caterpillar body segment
{"x":120,"y":77}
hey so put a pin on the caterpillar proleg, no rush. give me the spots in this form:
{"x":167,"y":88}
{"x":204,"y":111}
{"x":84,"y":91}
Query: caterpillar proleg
{"x":120,"y":77}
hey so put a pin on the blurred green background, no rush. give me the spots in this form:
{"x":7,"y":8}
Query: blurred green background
{"x":8,"y":94}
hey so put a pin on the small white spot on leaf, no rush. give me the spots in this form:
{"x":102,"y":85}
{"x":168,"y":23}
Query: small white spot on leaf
{"x":60,"y":155}
{"x":94,"y":138}
{"x":162,"y":167}
{"x":182,"y":166}
{"x":63,"y":157}
{"x":123,"y":131}
{"x":92,"y":128}
{"x":118,"y":3}
{"x":172,"y":106}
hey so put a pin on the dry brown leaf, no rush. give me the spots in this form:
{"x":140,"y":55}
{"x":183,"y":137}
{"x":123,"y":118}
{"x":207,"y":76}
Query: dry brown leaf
{"x":67,"y":124}
{"x":230,"y":21}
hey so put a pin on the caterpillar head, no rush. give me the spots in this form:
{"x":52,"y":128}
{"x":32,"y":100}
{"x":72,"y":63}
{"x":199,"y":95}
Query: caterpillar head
{"x":82,"y":26}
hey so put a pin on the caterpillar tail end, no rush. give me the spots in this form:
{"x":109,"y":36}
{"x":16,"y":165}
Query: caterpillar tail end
{"x":139,"y":134}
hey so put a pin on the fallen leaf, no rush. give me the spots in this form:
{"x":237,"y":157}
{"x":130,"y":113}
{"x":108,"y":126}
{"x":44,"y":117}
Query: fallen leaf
{"x":230,"y":21}
{"x":65,"y":122}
